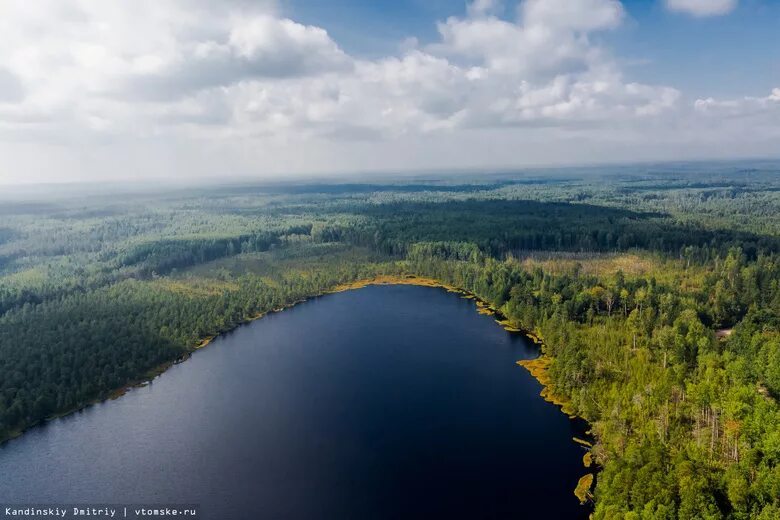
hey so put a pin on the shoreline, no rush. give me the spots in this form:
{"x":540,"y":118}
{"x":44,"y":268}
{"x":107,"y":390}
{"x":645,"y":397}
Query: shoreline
{"x":537,"y":367}
{"x":148,"y":377}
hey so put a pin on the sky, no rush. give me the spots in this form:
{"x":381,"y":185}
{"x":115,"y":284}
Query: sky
{"x":110,"y":90}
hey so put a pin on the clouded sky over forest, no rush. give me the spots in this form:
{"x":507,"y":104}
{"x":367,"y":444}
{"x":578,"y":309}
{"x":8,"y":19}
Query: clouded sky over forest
{"x":113,"y":90}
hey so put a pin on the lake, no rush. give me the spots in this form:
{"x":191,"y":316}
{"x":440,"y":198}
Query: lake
{"x":384,"y":402}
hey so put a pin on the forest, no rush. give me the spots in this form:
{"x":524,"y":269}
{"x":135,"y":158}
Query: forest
{"x":655,"y":290}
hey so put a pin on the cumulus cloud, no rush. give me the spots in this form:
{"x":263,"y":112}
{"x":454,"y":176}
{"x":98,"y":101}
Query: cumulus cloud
{"x":255,"y":48}
{"x":259,"y":73}
{"x":702,"y":8}
{"x":157,"y":49}
{"x":539,"y":70}
{"x":91,"y":73}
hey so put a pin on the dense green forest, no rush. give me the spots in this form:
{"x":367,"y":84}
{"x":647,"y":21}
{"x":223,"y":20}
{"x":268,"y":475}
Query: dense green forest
{"x":656,"y":290}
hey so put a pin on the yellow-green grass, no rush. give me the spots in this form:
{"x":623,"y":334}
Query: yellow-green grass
{"x":582,"y":491}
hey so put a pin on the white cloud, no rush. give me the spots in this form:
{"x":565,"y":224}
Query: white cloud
{"x":156,"y":49}
{"x":281,"y":47}
{"x":252,"y":88}
{"x":764,"y":107}
{"x":261,"y":74}
{"x":581,"y":15}
{"x":484,"y":7}
{"x":10,"y":88}
{"x":484,"y":72}
{"x":702,"y":8}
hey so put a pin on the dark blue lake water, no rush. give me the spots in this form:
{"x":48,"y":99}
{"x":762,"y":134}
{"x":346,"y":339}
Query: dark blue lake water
{"x":385,"y":402}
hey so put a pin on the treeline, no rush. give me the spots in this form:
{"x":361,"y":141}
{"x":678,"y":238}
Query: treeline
{"x":84,"y":251}
{"x":687,"y":425}
{"x":62,"y":354}
{"x":140,"y":260}
{"x":162,"y":256}
{"x":500,"y":228}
